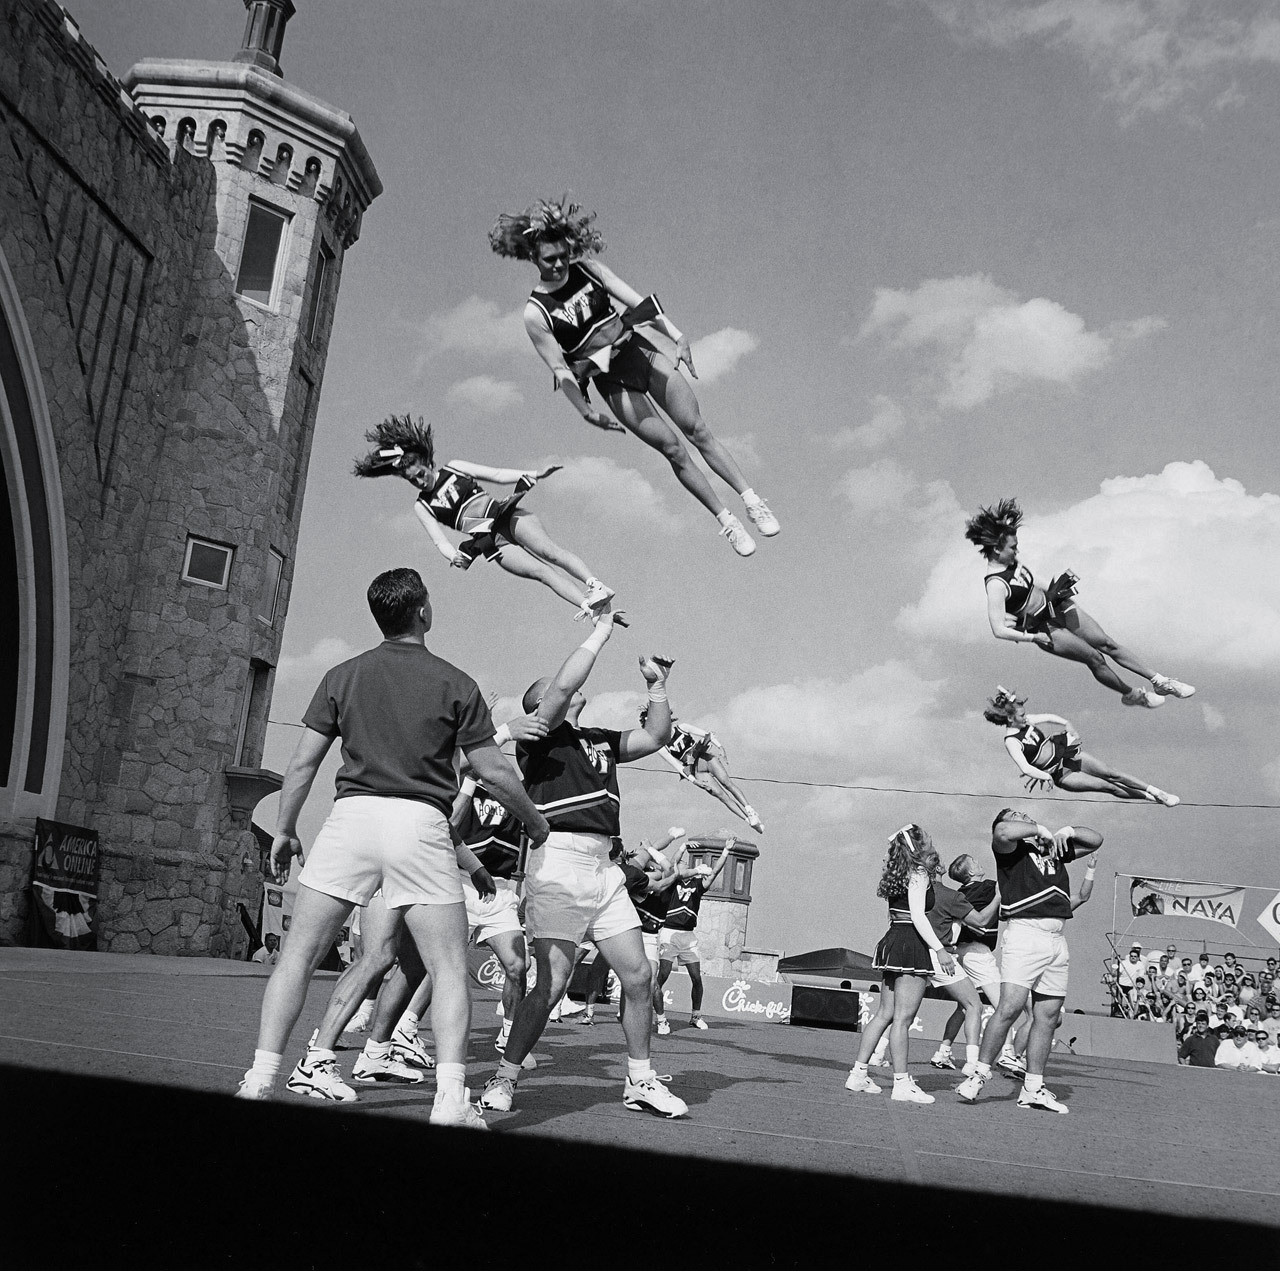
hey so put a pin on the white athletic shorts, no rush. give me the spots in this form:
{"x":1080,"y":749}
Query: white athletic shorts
{"x":572,"y":890}
{"x":489,"y":916}
{"x":651,"y":941}
{"x":1034,"y":955}
{"x":400,"y":845}
{"x":679,"y":946}
{"x":980,"y":965}
{"x":939,"y":979}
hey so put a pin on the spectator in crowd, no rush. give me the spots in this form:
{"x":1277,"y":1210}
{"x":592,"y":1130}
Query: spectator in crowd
{"x":1230,"y":1010}
{"x":1211,"y":986}
{"x":1268,"y":1051}
{"x":1185,"y":967}
{"x":1230,"y":961}
{"x":1266,"y":985}
{"x":270,"y":951}
{"x":1197,"y":972}
{"x":1199,"y":1047}
{"x":1238,"y":1051}
{"x":1271,"y":968}
{"x":1253,"y":1017}
{"x":1246,"y":989}
{"x":1271,"y":1024}
{"x":1130,"y":971}
{"x":1200,"y":1002}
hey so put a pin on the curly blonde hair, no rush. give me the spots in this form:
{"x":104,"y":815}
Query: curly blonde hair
{"x":518,"y":235}
{"x":987,"y":528}
{"x":910,"y":849}
{"x":396,"y":440}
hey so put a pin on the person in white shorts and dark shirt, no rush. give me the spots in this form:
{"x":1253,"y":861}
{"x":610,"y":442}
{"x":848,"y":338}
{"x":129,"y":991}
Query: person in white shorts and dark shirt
{"x":401,"y":713}
{"x":1035,"y":904}
{"x":572,"y":890}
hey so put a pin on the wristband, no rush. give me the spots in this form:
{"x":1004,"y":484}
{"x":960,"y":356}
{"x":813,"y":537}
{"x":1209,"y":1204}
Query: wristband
{"x":595,"y":641}
{"x":502,"y":736}
{"x":1090,"y":868}
{"x":657,"y":693}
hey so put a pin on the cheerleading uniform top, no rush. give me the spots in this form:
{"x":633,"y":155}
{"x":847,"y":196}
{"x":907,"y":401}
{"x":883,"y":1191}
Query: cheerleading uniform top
{"x":686,"y":900}
{"x":651,"y":906}
{"x":1023,"y":599}
{"x":450,"y":493}
{"x":1032,"y":884}
{"x":1045,"y":751}
{"x":577,"y":311}
{"x":687,"y":746}
{"x":491,"y":832}
{"x":980,"y":894}
{"x":571,"y":775}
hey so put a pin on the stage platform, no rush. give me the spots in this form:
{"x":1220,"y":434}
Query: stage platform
{"x":110,"y":1061}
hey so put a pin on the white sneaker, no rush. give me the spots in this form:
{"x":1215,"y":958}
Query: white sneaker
{"x":497,"y":1094}
{"x":879,"y":1061}
{"x":697,"y":1021}
{"x":445,"y":1111}
{"x":1013,"y":1065}
{"x":971,"y":1087}
{"x":569,"y":1008}
{"x":664,"y":1028}
{"x":1042,"y":1098}
{"x":860,"y":1083}
{"x":320,"y":1079}
{"x":1163,"y":796}
{"x":739,"y":539}
{"x":970,"y":1068}
{"x":528,"y":1063}
{"x":650,"y":1095}
{"x":752,"y":820}
{"x":764,"y":520}
{"x":1167,"y":687}
{"x":254,"y":1086}
{"x":909,"y":1092}
{"x":360,"y":1021}
{"x":942,"y":1059}
{"x":387,"y":1070}
{"x":1140,"y":697}
{"x":597,"y":594}
{"x":407,"y":1047}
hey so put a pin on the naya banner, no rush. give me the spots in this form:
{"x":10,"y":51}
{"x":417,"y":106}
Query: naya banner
{"x":1175,"y":898}
{"x":64,"y":887}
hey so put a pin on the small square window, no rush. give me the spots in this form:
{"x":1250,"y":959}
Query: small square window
{"x":261,"y":253}
{"x":323,"y":259}
{"x":208,"y":564}
{"x":270,"y":600}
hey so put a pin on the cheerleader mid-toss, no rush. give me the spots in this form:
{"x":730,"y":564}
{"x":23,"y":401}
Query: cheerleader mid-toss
{"x":497,"y":529}
{"x":580,"y":335}
{"x":1051,"y":756}
{"x":1022,"y":611}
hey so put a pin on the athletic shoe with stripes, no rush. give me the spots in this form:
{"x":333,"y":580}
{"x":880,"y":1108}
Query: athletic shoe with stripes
{"x":255,"y":1086}
{"x":497,"y":1094}
{"x":385,"y":1070}
{"x":465,"y":1115}
{"x":1042,"y":1098}
{"x":407,"y":1047}
{"x":650,"y":1095}
{"x":320,"y":1079}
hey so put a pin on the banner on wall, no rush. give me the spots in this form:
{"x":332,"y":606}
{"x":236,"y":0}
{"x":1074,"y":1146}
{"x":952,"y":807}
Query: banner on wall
{"x":64,"y":887}
{"x":1179,"y":898}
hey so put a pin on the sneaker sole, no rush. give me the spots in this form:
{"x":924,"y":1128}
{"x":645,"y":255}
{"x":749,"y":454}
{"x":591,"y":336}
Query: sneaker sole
{"x":314,"y":1092}
{"x":387,"y":1079}
{"x":635,"y":1105}
{"x":1039,"y":1107}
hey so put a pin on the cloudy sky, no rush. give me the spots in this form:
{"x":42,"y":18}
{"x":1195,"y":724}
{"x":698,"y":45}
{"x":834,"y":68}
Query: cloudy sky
{"x":931,"y":253}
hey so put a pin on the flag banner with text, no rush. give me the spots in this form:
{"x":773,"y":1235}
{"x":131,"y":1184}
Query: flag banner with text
{"x":1177,"y":898}
{"x":64,"y":887}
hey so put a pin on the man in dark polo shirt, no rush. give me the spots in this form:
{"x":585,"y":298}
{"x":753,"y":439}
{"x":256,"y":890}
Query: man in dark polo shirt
{"x":1199,"y":1046}
{"x":572,"y":890}
{"x":401,"y":713}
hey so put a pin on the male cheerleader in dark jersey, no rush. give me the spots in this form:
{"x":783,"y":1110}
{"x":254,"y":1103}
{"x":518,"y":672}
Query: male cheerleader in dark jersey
{"x":572,"y":890}
{"x":698,"y":756}
{"x":679,"y":942}
{"x":1035,"y":903}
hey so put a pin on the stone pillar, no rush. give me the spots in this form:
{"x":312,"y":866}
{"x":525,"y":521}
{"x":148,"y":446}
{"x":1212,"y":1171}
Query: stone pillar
{"x":722,"y":921}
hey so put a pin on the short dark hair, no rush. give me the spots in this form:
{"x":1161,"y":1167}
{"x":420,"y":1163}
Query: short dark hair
{"x":394,"y":597}
{"x":1000,"y":816}
{"x":534,"y":694}
{"x":958,"y":870}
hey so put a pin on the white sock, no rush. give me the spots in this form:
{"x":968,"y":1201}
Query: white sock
{"x":638,"y":1069}
{"x":661,"y":1018}
{"x":266,"y":1063}
{"x":944,"y":1048}
{"x":971,"y":1054}
{"x":451,"y":1081}
{"x":860,"y":1068}
{"x":901,"y":1078}
{"x":408,"y":1024}
{"x":750,"y":496}
{"x":505,"y":1031}
{"x":318,"y":1054}
{"x":505,"y":1069}
{"x":377,"y":1050}
{"x":724,"y":516}
{"x":984,"y":1070}
{"x":1032,"y":1082}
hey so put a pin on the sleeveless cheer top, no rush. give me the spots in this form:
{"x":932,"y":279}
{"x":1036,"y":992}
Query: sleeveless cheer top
{"x":1020,"y":590}
{"x":1031,"y":884}
{"x":449,"y":493}
{"x":576,"y":310}
{"x":492,"y":833}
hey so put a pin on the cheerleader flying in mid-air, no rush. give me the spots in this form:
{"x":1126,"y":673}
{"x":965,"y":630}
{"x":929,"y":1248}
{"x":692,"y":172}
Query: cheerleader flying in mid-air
{"x":1051,"y":756}
{"x":698,"y":756}
{"x":580,"y":335}
{"x":1021,"y":610}
{"x":497,"y":529}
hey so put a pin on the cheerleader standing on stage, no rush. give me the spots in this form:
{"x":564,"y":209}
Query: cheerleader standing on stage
{"x":1020,"y":610}
{"x":907,"y":956}
{"x":1047,"y":757}
{"x":573,"y":325}
{"x":497,"y":529}
{"x":698,"y":756}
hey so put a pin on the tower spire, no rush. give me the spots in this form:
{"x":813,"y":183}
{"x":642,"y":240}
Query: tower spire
{"x":264,"y":33}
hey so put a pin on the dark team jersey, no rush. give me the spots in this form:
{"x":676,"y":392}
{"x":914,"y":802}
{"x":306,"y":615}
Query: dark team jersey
{"x":1020,"y":592}
{"x":492,"y":833}
{"x":686,"y":900}
{"x":1032,"y":884}
{"x":448,"y":494}
{"x":949,"y":908}
{"x":652,"y":907}
{"x":899,"y":904}
{"x":687,"y":748}
{"x":980,"y":895}
{"x":576,"y":310}
{"x":571,"y":775}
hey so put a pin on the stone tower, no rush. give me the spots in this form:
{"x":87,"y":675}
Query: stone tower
{"x":722,"y":920}
{"x":171,"y":249}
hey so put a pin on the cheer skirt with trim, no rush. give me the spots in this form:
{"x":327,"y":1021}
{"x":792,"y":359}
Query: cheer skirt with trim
{"x":903,"y":950}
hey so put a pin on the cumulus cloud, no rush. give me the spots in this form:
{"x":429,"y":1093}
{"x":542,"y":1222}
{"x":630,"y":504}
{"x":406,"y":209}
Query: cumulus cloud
{"x":483,"y":394}
{"x":306,"y":668}
{"x":617,"y":708}
{"x":1214,"y":720}
{"x":1150,"y":54}
{"x":601,"y":489}
{"x":1180,"y":564}
{"x":717,"y":354}
{"x":987,"y":340}
{"x":742,"y":447}
{"x":887,"y":420}
{"x":475,"y":326}
{"x":885,"y":490}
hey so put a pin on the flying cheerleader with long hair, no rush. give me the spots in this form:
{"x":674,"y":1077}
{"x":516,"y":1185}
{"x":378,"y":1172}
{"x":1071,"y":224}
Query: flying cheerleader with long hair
{"x":579,"y":334}
{"x":698,"y":756}
{"x":1022,"y":611}
{"x":1048,"y":753}
{"x":496,"y":529}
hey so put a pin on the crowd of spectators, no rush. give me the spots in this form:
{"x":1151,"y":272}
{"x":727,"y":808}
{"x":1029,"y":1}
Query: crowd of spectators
{"x":1225,"y":1014}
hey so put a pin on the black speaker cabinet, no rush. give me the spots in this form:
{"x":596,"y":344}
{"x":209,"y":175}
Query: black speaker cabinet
{"x":824,"y":1008}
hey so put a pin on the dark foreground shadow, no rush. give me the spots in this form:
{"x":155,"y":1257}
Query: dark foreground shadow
{"x":141,"y":1176}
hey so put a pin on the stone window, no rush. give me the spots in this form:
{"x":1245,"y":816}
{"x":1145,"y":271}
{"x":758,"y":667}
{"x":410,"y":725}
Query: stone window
{"x":270,"y":600}
{"x":260,"y":258}
{"x":324,"y":258}
{"x":741,"y":878}
{"x":206,"y":563}
{"x":253,"y":709}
